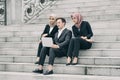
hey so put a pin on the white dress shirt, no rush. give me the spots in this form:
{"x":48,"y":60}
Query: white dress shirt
{"x":51,"y":28}
{"x":60,"y":31}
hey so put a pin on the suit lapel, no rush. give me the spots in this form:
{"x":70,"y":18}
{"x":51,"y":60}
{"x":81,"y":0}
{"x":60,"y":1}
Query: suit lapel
{"x":49,"y":29}
{"x":56,"y":37}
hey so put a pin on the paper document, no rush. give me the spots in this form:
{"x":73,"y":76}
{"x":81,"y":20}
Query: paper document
{"x":47,"y":41}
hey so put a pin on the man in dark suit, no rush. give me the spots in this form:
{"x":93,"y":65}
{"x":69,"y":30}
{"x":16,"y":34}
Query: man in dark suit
{"x":59,"y":48}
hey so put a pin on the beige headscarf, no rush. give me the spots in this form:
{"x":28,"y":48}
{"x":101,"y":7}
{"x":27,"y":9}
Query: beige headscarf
{"x":55,"y":16}
{"x":79,"y":18}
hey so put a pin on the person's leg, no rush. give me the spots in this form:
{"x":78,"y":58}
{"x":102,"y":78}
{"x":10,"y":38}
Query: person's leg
{"x":70,"y":48}
{"x":77,"y":41}
{"x":76,"y":50}
{"x":70,"y":51}
{"x":79,"y":44}
{"x":38,"y":52}
{"x":39,"y":49}
{"x":51,"y":61}
{"x":55,"y":53}
{"x":43,"y":53}
{"x":52,"y":54}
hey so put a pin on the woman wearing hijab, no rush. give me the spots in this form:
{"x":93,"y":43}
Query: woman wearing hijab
{"x":49,"y":31}
{"x":82,"y":33}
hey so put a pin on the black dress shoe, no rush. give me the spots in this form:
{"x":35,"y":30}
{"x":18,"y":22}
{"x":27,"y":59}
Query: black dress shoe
{"x":36,"y":62}
{"x":38,"y":71}
{"x":48,"y":72}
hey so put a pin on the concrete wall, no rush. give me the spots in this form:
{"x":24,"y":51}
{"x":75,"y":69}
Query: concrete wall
{"x":14,"y":12}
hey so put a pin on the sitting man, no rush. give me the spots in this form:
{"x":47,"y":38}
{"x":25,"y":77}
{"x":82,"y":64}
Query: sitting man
{"x":58,"y":49}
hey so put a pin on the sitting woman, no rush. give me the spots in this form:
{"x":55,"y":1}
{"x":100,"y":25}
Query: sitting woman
{"x":82,"y":38}
{"x":49,"y":31}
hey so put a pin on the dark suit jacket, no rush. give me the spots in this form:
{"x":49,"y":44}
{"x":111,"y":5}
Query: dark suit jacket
{"x":85,"y":30}
{"x":63,"y":40}
{"x":52,"y":33}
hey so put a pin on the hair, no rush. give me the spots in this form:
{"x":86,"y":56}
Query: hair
{"x":62,"y":19}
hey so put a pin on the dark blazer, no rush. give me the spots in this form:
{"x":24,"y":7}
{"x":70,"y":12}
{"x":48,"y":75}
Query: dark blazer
{"x":85,"y":30}
{"x":63,"y":40}
{"x":52,"y":33}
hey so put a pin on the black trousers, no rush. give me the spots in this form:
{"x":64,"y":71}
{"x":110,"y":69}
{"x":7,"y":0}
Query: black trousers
{"x":52,"y":54}
{"x":75,"y":45}
{"x":39,"y":49}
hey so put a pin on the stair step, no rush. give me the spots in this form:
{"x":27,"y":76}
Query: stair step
{"x":82,"y":8}
{"x":96,"y":38}
{"x":100,"y":52}
{"x":34,"y":45}
{"x":39,"y":27}
{"x":33,"y":76}
{"x":78,"y":69}
{"x":82,"y":60}
{"x":42,"y":28}
{"x":104,"y":45}
{"x":79,"y":5}
{"x":85,"y":1}
{"x":35,"y":38}
{"x":90,"y":52}
{"x":85,"y":11}
{"x":38,"y":33}
{"x":107,"y":31}
{"x":106,"y":38}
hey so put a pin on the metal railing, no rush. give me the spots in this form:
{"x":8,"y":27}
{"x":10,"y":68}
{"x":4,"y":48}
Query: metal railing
{"x":3,"y":20}
{"x":32,"y":8}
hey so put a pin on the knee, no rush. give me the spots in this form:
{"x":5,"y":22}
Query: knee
{"x":53,"y":49}
{"x":52,"y":52}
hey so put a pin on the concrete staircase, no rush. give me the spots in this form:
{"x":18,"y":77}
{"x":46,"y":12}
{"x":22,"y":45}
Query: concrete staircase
{"x":92,"y":10}
{"x":18,"y":43}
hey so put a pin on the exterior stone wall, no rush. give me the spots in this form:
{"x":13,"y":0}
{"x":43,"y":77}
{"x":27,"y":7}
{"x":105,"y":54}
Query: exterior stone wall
{"x":14,"y":11}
